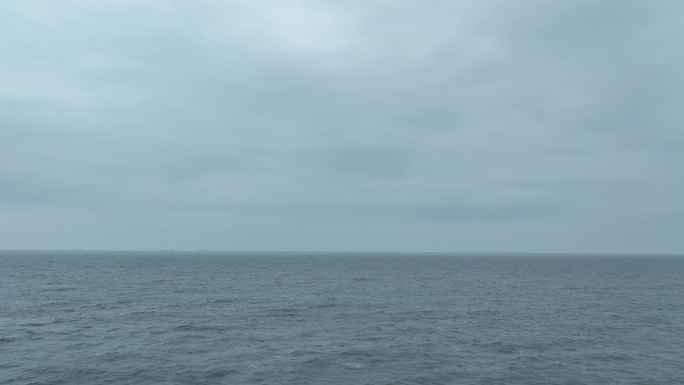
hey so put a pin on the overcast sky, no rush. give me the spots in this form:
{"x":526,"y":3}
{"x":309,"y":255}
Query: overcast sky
{"x":460,"y":125}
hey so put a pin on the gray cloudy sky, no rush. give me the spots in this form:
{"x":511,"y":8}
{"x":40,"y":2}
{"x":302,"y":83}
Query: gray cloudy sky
{"x":460,"y":125}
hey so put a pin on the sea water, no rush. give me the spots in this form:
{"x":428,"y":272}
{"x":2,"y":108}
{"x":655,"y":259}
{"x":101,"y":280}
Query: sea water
{"x":316,"y":318}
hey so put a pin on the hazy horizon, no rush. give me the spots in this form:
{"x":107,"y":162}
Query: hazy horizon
{"x":351,"y":252}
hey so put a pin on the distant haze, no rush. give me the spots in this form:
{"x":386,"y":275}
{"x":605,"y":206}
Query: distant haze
{"x":489,"y":125}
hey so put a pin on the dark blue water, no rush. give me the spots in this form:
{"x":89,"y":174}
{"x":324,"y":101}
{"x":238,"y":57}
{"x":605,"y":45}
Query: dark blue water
{"x":202,"y":318}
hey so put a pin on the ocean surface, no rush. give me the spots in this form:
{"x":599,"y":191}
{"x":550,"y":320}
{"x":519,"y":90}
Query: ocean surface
{"x":230,"y":318}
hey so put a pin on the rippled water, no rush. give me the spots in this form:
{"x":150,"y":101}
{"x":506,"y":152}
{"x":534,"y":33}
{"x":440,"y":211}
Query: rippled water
{"x":205,"y":318}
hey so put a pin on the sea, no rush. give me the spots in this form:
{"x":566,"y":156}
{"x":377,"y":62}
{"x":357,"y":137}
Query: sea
{"x":169,"y":317}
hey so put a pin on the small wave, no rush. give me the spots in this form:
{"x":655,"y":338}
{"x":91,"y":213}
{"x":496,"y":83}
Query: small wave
{"x":500,"y":347}
{"x":611,"y":357}
{"x":221,"y":372}
{"x":326,"y":305}
{"x":38,"y":323}
{"x":63,"y":289}
{"x":199,"y":328}
{"x":284,"y":312}
{"x":352,"y":364}
{"x":222,"y":300}
{"x":303,"y":353}
{"x":362,"y":279}
{"x":358,"y":353}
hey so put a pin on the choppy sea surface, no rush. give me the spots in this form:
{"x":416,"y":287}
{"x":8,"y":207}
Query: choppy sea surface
{"x":231,"y":318}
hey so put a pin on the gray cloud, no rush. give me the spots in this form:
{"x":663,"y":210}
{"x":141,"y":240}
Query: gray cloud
{"x":490,"y":125}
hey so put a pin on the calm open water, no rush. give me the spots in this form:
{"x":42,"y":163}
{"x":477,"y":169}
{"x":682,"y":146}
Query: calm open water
{"x":211,"y":318}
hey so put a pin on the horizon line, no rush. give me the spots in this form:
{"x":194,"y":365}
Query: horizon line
{"x":460,"y":253}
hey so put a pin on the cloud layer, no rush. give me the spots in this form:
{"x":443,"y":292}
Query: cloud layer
{"x":376,"y":125}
